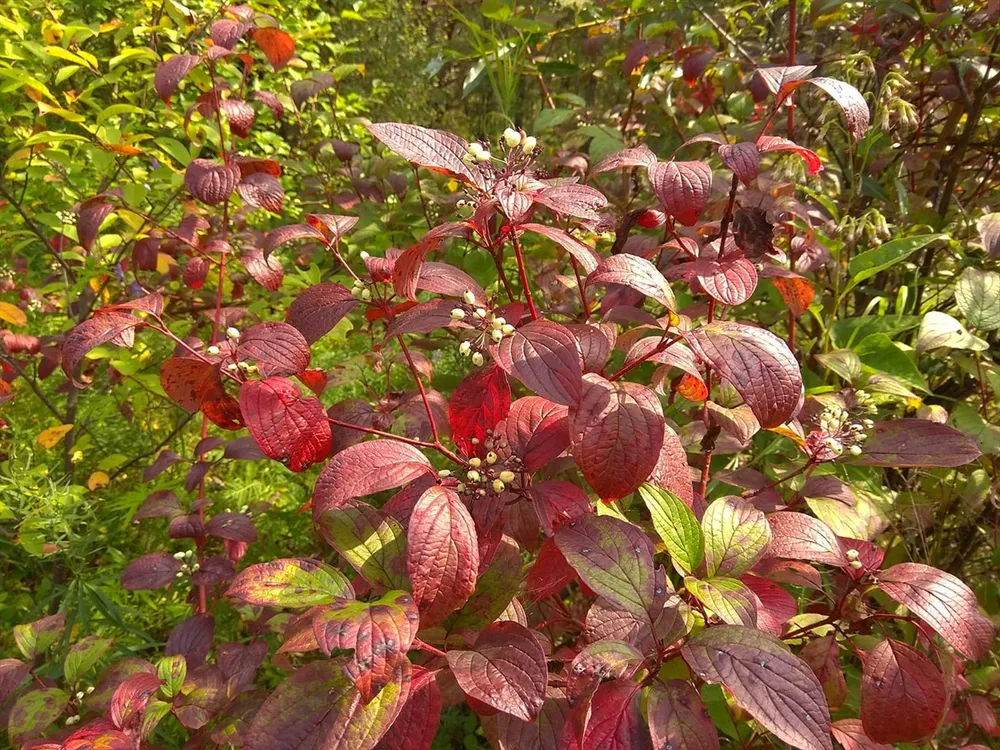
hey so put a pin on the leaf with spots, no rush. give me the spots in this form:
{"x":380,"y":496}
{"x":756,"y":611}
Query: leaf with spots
{"x":290,"y":582}
{"x":767,"y":680}
{"x":505,"y":669}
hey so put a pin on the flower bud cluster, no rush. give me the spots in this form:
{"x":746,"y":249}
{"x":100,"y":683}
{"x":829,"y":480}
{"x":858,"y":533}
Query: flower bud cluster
{"x":361,"y":291}
{"x":492,"y":327}
{"x":477,"y":154}
{"x":189,"y":566}
{"x":842,"y":429}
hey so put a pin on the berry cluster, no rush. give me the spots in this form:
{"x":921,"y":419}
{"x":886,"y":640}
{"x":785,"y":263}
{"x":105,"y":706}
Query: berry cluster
{"x":188,"y":567}
{"x":492,"y":327}
{"x":842,"y":429}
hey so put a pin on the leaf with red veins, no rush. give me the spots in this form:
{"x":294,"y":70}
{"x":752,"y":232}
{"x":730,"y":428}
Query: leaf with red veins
{"x":917,"y":442}
{"x":505,"y":669}
{"x":743,"y":159}
{"x":265,"y":271}
{"x":286,"y":426}
{"x":614,"y":558}
{"x":442,"y":554}
{"x":636,"y":273}
{"x":797,"y":536}
{"x":903,"y":695}
{"x":770,"y":683}
{"x":616,"y":432}
{"x":131,"y":697}
{"x":580,"y":201}
{"x":436,"y":150}
{"x":595,"y":343}
{"x":683,"y":187}
{"x":535,"y":430}
{"x":478,"y":402}
{"x":210,"y":182}
{"x":171,"y":72}
{"x":317,"y":310}
{"x":544,"y":356}
{"x":677,"y":717}
{"x":730,"y":281}
{"x":366,"y":468}
{"x":777,"y":76}
{"x":726,"y":598}
{"x":585,"y":255}
{"x":277,"y":348}
{"x":289,"y":233}
{"x":261,"y":190}
{"x":768,"y":144}
{"x":943,"y":602}
{"x":758,"y":364}
{"x":851,"y":734}
{"x":640,"y":156}
{"x":153,"y":571}
{"x":615,"y":718}
{"x":100,"y":329}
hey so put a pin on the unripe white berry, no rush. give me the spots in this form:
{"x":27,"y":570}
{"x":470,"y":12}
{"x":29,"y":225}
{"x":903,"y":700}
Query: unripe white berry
{"x":491,"y":458}
{"x":460,"y":487}
{"x":457,"y":313}
{"x":497,"y":336}
{"x":473,"y":476}
{"x":506,"y":476}
{"x":528,"y":144}
{"x":232,"y":333}
{"x":852,"y":554}
{"x":469,"y":297}
{"x":365,"y":255}
{"x":498,"y":486}
{"x":498,"y":323}
{"x":511,"y":137}
{"x":855,"y":450}
{"x":366,"y":294}
{"x":857,"y":564}
{"x":475,"y":149}
{"x":213,"y":350}
{"x":356,"y":292}
{"x":475,"y":461}
{"x":178,"y":555}
{"x":444,"y":473}
{"x":485,"y":156}
{"x":508,"y":329}
{"x":465,"y":348}
{"x":479,"y":313}
{"x":477,"y":359}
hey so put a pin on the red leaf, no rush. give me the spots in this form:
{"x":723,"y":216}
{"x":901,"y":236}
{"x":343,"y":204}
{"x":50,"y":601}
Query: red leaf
{"x":333,"y":225}
{"x":757,"y":363}
{"x":209,"y":182}
{"x":595,"y":343}
{"x":442,"y":278}
{"x":152,"y":571}
{"x":851,"y":734}
{"x":797,"y":536}
{"x":536,"y":430}
{"x":289,"y":233}
{"x":265,"y":271}
{"x":131,"y":697}
{"x":278,"y":349}
{"x":943,"y":602}
{"x":544,"y":356}
{"x":286,"y":426}
{"x":672,"y":471}
{"x":261,"y":190}
{"x":235,"y":527}
{"x":505,"y":670}
{"x":767,"y":144}
{"x":773,"y":685}
{"x":12,"y":674}
{"x":254,"y":164}
{"x":117,"y":327}
{"x":774,"y":605}
{"x":917,"y":442}
{"x":730,"y":281}
{"x":196,"y":272}
{"x":442,"y":556}
{"x":278,"y":46}
{"x":743,"y":158}
{"x":91,"y":215}
{"x":581,"y":201}
{"x":550,"y":572}
{"x":556,"y":502}
{"x":586,"y":256}
{"x":318,"y":309}
{"x":407,"y":267}
{"x":240,"y":115}
{"x":480,"y":401}
{"x":903,"y":695}
{"x":220,"y":408}
{"x":775,"y":77}
{"x":616,"y":433}
{"x":424,"y":318}
{"x":615,"y":719}
{"x":436,"y":150}
{"x":636,"y":273}
{"x":367,"y":468}
{"x":171,"y":72}
{"x":417,"y":723}
{"x":683,"y":187}
{"x":640,"y":156}
{"x":823,"y":656}
{"x":678,"y":719}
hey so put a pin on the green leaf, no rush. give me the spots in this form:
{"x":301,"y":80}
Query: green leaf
{"x":551,"y":118}
{"x":736,"y":535}
{"x":676,"y":525}
{"x":848,"y":330}
{"x":291,"y":582}
{"x":173,"y":671}
{"x":879,"y":353}
{"x":867,"y":264}
{"x":978,"y":297}
{"x":939,"y":330}
{"x":372,"y":543}
{"x":843,"y":362}
{"x":35,"y":712}
{"x":728,"y":598}
{"x":971,"y":422}
{"x":83,"y":656}
{"x":34,"y":638}
{"x":174,"y":149}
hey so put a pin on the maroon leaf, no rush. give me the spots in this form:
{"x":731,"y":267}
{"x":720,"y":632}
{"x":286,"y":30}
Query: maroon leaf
{"x":672,"y":471}
{"x":917,"y":442}
{"x":196,"y":272}
{"x":366,"y":468}
{"x":535,"y":430}
{"x":943,"y":602}
{"x":131,"y":697}
{"x":770,"y":683}
{"x":851,"y":734}
{"x":678,"y":719}
{"x":616,"y":433}
{"x":240,"y":115}
{"x":417,"y":723}
{"x":903,"y":695}
{"x":683,"y":187}
{"x":379,"y":633}
{"x":506,"y":670}
{"x":797,"y":536}
{"x":581,"y":201}
{"x":277,"y":45}
{"x":550,"y":572}
{"x":333,"y":225}
{"x":265,"y":271}
{"x":278,"y":349}
{"x":595,"y":343}
{"x":823,"y":656}
{"x":100,"y":329}
{"x":743,"y":158}
{"x":442,"y":556}
{"x":184,"y":378}
{"x":152,"y":571}
{"x":192,"y":639}
{"x":261,"y":190}
{"x":556,"y":502}
{"x":615,"y":719}
{"x":91,"y":215}
{"x":233,"y":526}
{"x":731,"y":282}
{"x":636,"y":273}
{"x":209,"y":182}
{"x":318,"y":309}
{"x":586,"y":256}
{"x":442,"y":278}
{"x":226,"y":32}
{"x":775,"y":77}
{"x":424,"y":318}
{"x":171,"y":72}
{"x":544,"y":356}
{"x":12,"y":673}
{"x":289,"y":233}
{"x":287,"y":427}
{"x":757,"y":363}
{"x":767,"y":144}
{"x":480,"y":401}
{"x":640,"y":156}
{"x":436,"y":150}
{"x":407,"y":267}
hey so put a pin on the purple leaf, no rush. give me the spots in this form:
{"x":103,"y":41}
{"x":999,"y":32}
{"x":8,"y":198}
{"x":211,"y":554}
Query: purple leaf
{"x":917,"y":442}
{"x":318,"y":309}
{"x":261,"y":190}
{"x":171,"y":72}
{"x":544,"y":356}
{"x":290,"y":233}
{"x":278,"y":348}
{"x":731,"y":281}
{"x":581,"y":201}
{"x":636,"y":273}
{"x":683,"y":187}
{"x":436,"y":150}
{"x":152,"y":571}
{"x":209,"y":182}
